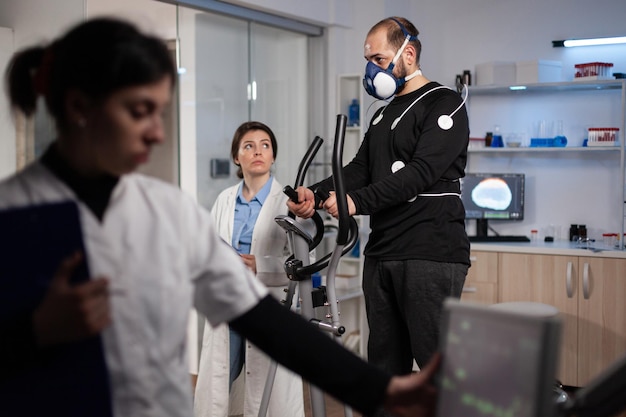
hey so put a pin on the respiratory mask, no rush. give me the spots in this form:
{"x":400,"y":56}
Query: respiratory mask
{"x":381,"y":83}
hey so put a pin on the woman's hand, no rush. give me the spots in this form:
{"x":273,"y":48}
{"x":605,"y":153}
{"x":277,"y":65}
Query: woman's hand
{"x":414,"y":395}
{"x":250,"y":262}
{"x":71,"y":312}
{"x":305,"y":208}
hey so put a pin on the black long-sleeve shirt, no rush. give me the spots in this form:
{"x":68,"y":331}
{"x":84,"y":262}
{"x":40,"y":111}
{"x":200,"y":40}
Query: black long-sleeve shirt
{"x":432,"y":226}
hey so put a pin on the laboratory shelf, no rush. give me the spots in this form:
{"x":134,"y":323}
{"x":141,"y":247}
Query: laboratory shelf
{"x":540,"y":149}
{"x":537,"y":93}
{"x":547,"y":87}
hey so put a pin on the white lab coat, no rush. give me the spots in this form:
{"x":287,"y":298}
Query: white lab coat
{"x":269,"y":245}
{"x":162,"y":255}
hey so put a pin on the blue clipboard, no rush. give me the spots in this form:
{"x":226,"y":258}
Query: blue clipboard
{"x":69,"y":380}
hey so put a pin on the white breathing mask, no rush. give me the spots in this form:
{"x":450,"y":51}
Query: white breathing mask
{"x":381,"y":83}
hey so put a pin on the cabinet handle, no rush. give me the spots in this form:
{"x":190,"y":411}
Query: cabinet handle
{"x":470,"y":289}
{"x":586,"y":281}
{"x":568,"y":281}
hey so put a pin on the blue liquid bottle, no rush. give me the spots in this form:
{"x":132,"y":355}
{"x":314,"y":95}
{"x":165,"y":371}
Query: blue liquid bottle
{"x":560,"y":140}
{"x":353,"y":113}
{"x":496,"y":141}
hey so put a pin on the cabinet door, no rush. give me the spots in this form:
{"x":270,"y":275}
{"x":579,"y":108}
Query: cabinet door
{"x":551,"y":280}
{"x":602,"y":315}
{"x":481,"y":283}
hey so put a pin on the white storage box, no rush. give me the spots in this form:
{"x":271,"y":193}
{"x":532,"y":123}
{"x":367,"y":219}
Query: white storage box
{"x":538,"y":71}
{"x":495,"y":73}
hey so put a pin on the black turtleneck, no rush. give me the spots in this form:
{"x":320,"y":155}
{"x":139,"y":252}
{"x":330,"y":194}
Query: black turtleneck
{"x":95,"y":192}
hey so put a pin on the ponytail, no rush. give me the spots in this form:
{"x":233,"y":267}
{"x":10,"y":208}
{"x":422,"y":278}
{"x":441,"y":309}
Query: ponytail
{"x":20,"y":78}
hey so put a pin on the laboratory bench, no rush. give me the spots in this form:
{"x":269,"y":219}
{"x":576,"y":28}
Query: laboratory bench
{"x":596,"y":249}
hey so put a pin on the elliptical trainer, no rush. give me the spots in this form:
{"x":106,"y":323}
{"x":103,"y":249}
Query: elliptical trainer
{"x":304,"y":235}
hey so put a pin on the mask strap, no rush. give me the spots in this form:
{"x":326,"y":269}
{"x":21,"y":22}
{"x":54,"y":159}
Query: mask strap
{"x":408,"y":38}
{"x":404,"y":44}
{"x":415,"y":74}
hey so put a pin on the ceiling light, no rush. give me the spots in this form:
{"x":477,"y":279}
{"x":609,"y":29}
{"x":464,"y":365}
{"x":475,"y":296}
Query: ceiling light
{"x":589,"y":42}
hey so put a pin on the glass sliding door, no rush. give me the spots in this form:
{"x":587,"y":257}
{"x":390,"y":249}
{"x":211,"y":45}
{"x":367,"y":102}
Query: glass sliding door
{"x":214,"y":79}
{"x":234,"y":71}
{"x":278,"y":61}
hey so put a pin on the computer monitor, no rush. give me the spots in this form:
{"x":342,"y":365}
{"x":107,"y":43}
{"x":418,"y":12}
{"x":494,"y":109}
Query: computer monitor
{"x":492,"y":196}
{"x":496,"y":362}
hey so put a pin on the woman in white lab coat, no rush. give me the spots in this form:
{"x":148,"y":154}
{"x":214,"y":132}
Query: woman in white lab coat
{"x":152,"y":252}
{"x":263,"y":246}
{"x":149,"y":247}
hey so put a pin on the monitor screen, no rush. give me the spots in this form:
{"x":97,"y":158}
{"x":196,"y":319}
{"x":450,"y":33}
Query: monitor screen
{"x":489,"y":196}
{"x":496,"y":362}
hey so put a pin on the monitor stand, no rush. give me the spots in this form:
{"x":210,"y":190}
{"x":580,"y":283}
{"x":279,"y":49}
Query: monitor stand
{"x":482,"y":227}
{"x":482,"y":234}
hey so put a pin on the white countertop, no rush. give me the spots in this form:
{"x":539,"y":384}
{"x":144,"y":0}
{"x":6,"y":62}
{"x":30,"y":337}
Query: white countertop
{"x":594,"y":249}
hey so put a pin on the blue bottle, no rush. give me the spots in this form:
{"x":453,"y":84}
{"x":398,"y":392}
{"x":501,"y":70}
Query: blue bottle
{"x":316,"y":279}
{"x":353,"y":113}
{"x":496,"y":141}
{"x":560,"y":140}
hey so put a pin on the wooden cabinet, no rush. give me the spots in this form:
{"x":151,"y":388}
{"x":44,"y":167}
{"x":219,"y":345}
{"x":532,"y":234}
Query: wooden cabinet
{"x":544,"y":279}
{"x":601,"y":314}
{"x":481,"y":283}
{"x":589,"y":293}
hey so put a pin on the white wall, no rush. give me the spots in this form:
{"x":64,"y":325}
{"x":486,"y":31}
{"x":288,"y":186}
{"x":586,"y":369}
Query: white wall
{"x":37,"y":21}
{"x":32,"y":22}
{"x":151,"y":16}
{"x":159,"y":19}
{"x":319,"y":12}
{"x":7,"y":127}
{"x":459,"y":35}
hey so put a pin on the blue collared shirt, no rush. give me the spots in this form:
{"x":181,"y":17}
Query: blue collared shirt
{"x":246,"y":214}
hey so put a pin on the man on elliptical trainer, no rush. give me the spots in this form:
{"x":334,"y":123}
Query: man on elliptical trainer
{"x":405,"y":175}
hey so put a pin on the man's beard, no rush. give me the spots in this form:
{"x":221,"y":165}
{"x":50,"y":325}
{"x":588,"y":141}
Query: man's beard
{"x":402,"y":74}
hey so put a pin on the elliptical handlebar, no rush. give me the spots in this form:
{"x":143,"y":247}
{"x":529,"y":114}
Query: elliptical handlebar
{"x":348,"y":229}
{"x":340,"y":192}
{"x":303,"y":167}
{"x":306,"y":160}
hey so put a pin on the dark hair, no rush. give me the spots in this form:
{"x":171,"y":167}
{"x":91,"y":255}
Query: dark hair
{"x":239,"y":134}
{"x":97,"y":57}
{"x":395,"y":35}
